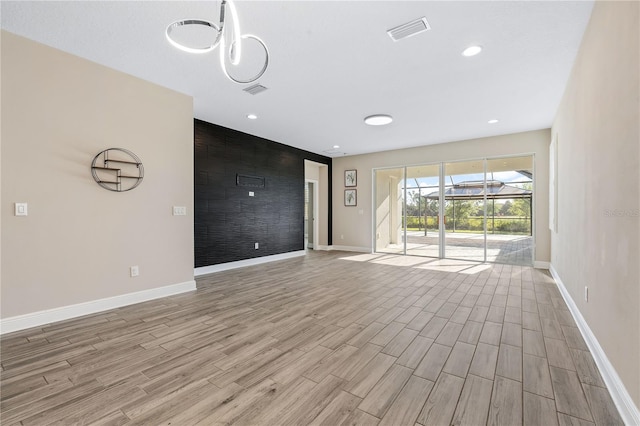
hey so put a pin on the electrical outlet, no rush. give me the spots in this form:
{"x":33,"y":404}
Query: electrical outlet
{"x":257,"y":246}
{"x":251,"y":194}
{"x":586,"y":294}
{"x":179,"y":211}
{"x":342,"y":236}
{"x":135,"y":271}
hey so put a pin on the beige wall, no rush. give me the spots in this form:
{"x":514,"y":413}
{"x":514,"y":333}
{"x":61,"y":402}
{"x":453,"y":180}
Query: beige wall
{"x":355,"y":223}
{"x":599,"y":185}
{"x":79,"y":240}
{"x":383,"y":201}
{"x":388,"y":207}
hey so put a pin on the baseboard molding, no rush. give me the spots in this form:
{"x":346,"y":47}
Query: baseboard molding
{"x":204,"y":270}
{"x":324,"y":248}
{"x":541,"y":265}
{"x":35,"y":319}
{"x":626,"y":407}
{"x":351,"y":248}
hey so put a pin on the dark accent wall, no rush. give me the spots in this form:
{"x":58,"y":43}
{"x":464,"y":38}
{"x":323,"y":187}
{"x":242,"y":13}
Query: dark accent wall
{"x":228,"y":222}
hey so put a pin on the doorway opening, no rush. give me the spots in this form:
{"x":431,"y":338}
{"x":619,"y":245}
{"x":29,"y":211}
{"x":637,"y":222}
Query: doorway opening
{"x":310,"y":214}
{"x":479,"y":210}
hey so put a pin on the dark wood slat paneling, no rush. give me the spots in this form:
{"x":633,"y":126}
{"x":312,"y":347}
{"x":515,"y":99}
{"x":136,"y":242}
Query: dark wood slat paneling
{"x":227,"y":221}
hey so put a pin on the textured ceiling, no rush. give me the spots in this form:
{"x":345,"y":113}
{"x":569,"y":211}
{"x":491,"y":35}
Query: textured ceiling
{"x":332,"y":64}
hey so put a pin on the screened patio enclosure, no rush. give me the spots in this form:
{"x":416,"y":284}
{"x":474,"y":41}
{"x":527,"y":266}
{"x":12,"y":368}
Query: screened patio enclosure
{"x":479,"y":210}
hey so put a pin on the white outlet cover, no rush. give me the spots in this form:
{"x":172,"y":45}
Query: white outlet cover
{"x":21,"y":209}
{"x":179,"y":211}
{"x":251,"y":194}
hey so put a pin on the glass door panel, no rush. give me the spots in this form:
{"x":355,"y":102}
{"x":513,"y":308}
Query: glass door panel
{"x":389,"y":211}
{"x":478,"y":210}
{"x":422,"y":185}
{"x":464,"y":218}
{"x":510,"y":210}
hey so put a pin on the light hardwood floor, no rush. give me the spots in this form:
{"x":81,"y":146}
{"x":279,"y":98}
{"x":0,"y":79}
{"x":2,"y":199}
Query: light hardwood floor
{"x":328,"y":339}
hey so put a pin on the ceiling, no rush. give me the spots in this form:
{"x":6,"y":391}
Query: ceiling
{"x":332,"y":63}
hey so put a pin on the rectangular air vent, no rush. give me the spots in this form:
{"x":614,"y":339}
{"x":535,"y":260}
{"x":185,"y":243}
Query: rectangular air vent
{"x":409,"y":29}
{"x":255,"y":89}
{"x":333,"y":153}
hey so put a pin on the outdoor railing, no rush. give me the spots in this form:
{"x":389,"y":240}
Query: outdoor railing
{"x":495,"y":225}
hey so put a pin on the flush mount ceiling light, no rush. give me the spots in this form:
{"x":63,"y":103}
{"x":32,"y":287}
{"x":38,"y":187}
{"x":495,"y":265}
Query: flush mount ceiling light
{"x":227,"y":36}
{"x":252,"y":116}
{"x":336,"y":146}
{"x":472,"y":51}
{"x":494,"y":121}
{"x":378,"y":119}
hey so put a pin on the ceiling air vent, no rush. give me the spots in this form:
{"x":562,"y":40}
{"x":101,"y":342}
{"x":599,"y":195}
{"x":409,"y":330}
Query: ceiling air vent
{"x":333,"y":152}
{"x":409,"y":29}
{"x":255,"y":89}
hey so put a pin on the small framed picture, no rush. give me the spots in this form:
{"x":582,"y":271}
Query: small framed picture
{"x":350,"y":197}
{"x":350,"y":178}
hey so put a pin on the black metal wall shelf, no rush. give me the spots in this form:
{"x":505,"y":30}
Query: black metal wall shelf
{"x":103,"y":174}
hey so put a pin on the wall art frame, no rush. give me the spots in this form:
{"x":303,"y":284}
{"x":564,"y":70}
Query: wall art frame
{"x":350,"y":178}
{"x":350,"y":197}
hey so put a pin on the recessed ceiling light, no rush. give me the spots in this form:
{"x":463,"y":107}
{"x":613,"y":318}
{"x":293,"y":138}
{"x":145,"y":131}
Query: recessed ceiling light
{"x":252,"y":116}
{"x":494,"y":121}
{"x":378,"y":119}
{"x":336,"y":146}
{"x":472,"y":51}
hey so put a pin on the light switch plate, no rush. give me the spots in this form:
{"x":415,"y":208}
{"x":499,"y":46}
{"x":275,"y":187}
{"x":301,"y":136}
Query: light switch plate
{"x":179,"y":211}
{"x":251,"y":194}
{"x":21,"y":209}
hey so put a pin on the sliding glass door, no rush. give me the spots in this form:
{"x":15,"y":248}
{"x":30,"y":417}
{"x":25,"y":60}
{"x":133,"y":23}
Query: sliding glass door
{"x":464,"y":212}
{"x":510,"y":210}
{"x":478,"y":210}
{"x":422,"y":186}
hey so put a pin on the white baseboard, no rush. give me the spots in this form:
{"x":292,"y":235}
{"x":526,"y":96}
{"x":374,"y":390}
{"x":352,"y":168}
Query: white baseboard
{"x":325,"y":248}
{"x":204,"y":270}
{"x":541,"y":265}
{"x":626,"y":407}
{"x":35,"y":319}
{"x":351,"y":248}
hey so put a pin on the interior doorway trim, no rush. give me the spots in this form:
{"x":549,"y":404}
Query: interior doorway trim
{"x":315,"y":223}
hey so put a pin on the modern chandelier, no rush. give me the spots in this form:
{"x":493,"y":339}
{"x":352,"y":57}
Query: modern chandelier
{"x":227,"y":36}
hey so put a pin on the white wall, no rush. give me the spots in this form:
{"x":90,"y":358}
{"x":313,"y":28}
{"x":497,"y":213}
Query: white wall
{"x":599,"y":186}
{"x":79,"y":240}
{"x":356,"y":225}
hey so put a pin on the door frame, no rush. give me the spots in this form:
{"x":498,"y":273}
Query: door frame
{"x":316,"y":200}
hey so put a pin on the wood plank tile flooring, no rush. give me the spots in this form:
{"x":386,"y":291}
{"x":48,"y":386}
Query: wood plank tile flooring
{"x":327,"y":339}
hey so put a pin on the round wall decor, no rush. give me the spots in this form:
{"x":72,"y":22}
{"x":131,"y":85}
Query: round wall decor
{"x":117,"y":169}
